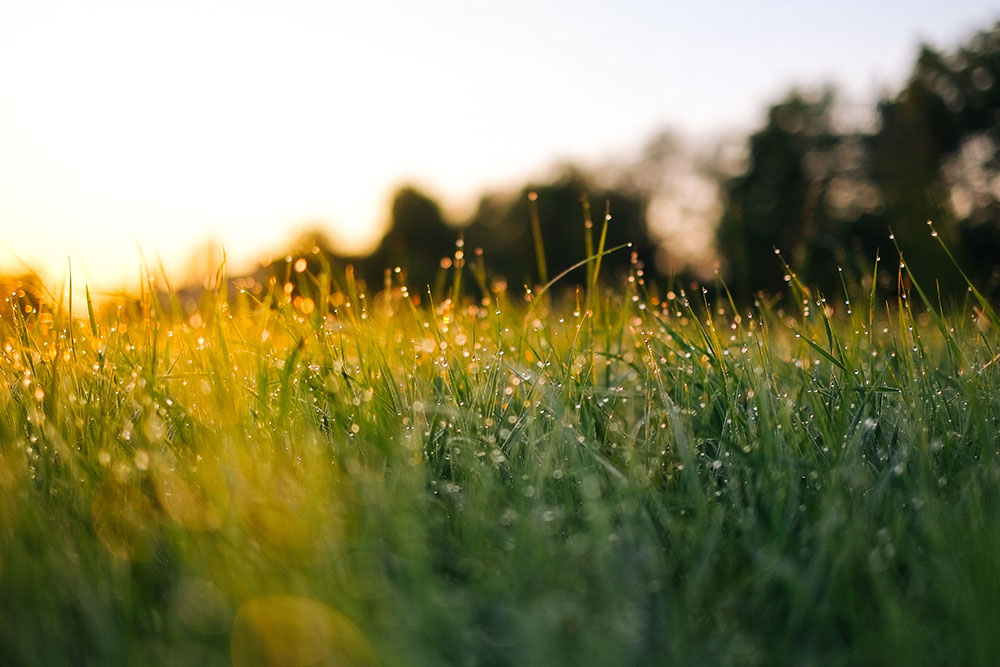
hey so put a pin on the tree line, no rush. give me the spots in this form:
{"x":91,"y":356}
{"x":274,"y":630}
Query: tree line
{"x":831,"y":195}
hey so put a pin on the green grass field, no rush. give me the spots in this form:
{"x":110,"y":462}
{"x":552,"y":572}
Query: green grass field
{"x":620,"y":476}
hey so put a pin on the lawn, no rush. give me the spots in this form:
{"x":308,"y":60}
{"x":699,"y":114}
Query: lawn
{"x":625,"y":474}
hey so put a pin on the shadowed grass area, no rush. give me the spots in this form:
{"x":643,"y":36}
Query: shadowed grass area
{"x":315,"y":476}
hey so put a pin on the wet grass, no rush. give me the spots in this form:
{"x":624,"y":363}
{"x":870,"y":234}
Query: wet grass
{"x":302,"y":473}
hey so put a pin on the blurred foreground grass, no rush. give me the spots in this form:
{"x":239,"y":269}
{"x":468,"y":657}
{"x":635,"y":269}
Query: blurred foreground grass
{"x":308,"y":476}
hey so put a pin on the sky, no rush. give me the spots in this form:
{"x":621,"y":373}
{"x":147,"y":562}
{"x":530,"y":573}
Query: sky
{"x":135,"y":130}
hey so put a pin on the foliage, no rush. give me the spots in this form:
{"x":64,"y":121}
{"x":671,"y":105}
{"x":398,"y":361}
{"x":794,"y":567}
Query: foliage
{"x":781,"y":200}
{"x":938,"y":150}
{"x":825,"y":192}
{"x":829,"y":196}
{"x":419,"y":237}
{"x":570,"y":214}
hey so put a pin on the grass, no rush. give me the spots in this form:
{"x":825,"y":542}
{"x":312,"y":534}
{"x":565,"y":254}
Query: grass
{"x":308,"y":475}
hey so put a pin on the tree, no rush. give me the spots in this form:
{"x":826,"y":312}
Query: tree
{"x":502,"y":228}
{"x":937,"y":155}
{"x":785,"y":198}
{"x":417,"y":239}
{"x":828,"y":196}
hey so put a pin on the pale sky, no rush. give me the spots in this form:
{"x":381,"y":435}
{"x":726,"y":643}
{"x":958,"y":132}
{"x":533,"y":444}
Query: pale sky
{"x":162,"y":124}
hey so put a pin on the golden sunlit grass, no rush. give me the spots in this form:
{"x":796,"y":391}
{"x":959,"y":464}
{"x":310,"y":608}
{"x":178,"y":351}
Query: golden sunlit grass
{"x":304,"y":473}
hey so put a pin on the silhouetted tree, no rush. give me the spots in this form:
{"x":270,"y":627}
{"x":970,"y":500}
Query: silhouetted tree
{"x":936,"y":154}
{"x":782,"y":200}
{"x":502,"y":228}
{"x":828,"y":196}
{"x":417,"y":239}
